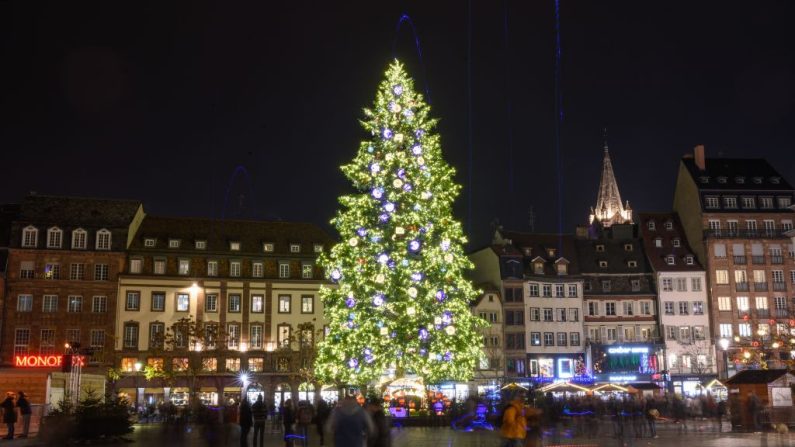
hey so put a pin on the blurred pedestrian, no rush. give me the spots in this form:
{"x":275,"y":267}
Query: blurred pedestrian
{"x":259,"y":413}
{"x":514,"y":424}
{"x":321,"y":416}
{"x":652,"y":413}
{"x":9,"y":414}
{"x":382,"y":436}
{"x":245,"y":421}
{"x":24,"y":410}
{"x":288,"y":419}
{"x":350,"y":425}
{"x":304,"y":418}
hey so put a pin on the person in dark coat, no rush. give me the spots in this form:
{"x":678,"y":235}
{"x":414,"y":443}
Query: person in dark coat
{"x":246,"y":421}
{"x":24,"y":410}
{"x":382,"y":436}
{"x":288,"y":419}
{"x":260,"y":412}
{"x":9,"y":414}
{"x":321,"y":417}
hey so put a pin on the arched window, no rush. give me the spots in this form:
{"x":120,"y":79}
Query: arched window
{"x":79,"y":239}
{"x":103,"y":239}
{"x":30,"y":237}
{"x":54,"y":237}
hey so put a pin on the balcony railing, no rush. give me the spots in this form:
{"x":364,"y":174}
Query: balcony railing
{"x":781,"y":313}
{"x":779,"y":286}
{"x":740,"y":260}
{"x":760,"y":286}
{"x":741,"y":286}
{"x":777,"y":259}
{"x":772,"y":233}
{"x":762,"y":313}
{"x":757,"y":260}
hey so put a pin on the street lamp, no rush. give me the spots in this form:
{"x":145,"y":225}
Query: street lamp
{"x":138,"y":366}
{"x":724,"y":346}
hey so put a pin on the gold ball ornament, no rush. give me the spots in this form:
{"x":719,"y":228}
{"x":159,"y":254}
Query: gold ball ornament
{"x":412,"y":292}
{"x":353,"y":242}
{"x":397,"y":183}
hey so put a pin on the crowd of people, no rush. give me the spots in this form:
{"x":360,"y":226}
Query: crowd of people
{"x":346,"y":422}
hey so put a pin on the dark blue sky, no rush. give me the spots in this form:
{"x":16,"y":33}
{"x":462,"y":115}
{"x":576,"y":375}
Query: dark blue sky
{"x":162,"y":101}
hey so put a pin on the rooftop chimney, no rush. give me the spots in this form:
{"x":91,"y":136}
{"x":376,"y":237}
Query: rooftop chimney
{"x":701,"y":162}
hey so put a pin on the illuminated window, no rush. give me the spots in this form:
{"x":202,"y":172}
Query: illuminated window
{"x":128,"y":364}
{"x":284,"y":270}
{"x":209,"y":364}
{"x":306,"y":271}
{"x":212,"y":268}
{"x":234,"y":303}
{"x":184,"y":266}
{"x":256,"y":364}
{"x":257,"y":270}
{"x":295,"y":248}
{"x":135,"y":265}
{"x":318,"y":248}
{"x":267,"y":247}
{"x":74,"y":304}
{"x":211,"y":303}
{"x":284,"y":304}
{"x":233,"y":330}
{"x":234,"y":246}
{"x":180,"y":364}
{"x":160,"y":266}
{"x":307,"y":304}
{"x":233,"y":365}
{"x":201,"y":245}
{"x":174,"y":243}
{"x":283,"y":335}
{"x":255,"y":336}
{"x":149,"y":243}
{"x":257,"y":303}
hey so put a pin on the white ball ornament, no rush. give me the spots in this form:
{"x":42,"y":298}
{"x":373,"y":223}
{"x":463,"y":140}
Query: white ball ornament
{"x":399,"y":138}
{"x":450,"y":330}
{"x":400,"y":231}
{"x":412,"y":291}
{"x":389,"y":157}
{"x":437,"y":321}
{"x":384,"y":331}
{"x":379,"y":278}
{"x":353,"y":242}
{"x":411,"y":311}
{"x":448,"y":258}
{"x":397,"y":183}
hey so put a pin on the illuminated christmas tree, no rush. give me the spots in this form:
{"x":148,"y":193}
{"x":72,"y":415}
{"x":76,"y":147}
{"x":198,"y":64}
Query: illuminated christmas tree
{"x":401,"y":302}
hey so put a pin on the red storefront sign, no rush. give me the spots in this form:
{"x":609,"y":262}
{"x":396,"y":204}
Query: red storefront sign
{"x":46,"y":361}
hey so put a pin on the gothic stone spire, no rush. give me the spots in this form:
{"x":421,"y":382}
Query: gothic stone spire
{"x":609,"y":209}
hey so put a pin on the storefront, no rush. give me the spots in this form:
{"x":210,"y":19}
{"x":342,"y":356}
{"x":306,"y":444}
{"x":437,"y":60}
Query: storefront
{"x":626,"y":363}
{"x":547,"y":368}
{"x":690,"y":385}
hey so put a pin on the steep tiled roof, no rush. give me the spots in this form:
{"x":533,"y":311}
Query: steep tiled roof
{"x":755,"y":376}
{"x":530,"y":246}
{"x":618,"y":253}
{"x":756,"y":174}
{"x":77,"y":211}
{"x":657,"y":255}
{"x":219,"y":233}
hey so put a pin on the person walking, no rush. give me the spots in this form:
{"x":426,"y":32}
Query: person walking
{"x":350,"y":425}
{"x":304,"y":417}
{"x":321,"y":416}
{"x":288,"y":419}
{"x":382,"y":436}
{"x":24,"y":410}
{"x":259,"y":412}
{"x":514,"y":424}
{"x":652,"y":413}
{"x":9,"y":414}
{"x":245,"y":421}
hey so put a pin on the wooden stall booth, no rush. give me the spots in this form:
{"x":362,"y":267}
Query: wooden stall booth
{"x":758,"y":397}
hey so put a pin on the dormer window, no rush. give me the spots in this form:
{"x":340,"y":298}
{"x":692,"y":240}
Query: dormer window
{"x":628,"y":247}
{"x":174,"y":243}
{"x":652,"y":225}
{"x":234,"y":246}
{"x":551,"y":252}
{"x":103,"y":240}
{"x":149,"y":242}
{"x":527,"y":251}
{"x":711,"y":202}
{"x":722,"y":180}
{"x":739,"y":180}
{"x":318,"y":248}
{"x":295,"y":248}
{"x":670,"y":260}
{"x":689,"y":260}
{"x":758,"y":180}
{"x":658,"y":242}
{"x":54,"y":237}
{"x":730,"y":202}
{"x":632,"y":264}
{"x":201,"y":245}
{"x":603,"y":264}
{"x":669,"y":225}
{"x":676,"y":242}
{"x":267,"y":247}
{"x":563,"y":268}
{"x":30,"y":236}
{"x":600,"y":248}
{"x":79,"y":237}
{"x":538,"y":267}
{"x":775,"y":180}
{"x":704,"y":179}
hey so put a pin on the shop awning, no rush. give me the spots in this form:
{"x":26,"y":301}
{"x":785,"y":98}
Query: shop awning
{"x":513,"y":386}
{"x":564,"y":387}
{"x":609,"y":388}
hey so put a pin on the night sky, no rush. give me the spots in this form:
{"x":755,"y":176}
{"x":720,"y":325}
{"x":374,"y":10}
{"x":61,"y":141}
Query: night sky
{"x":163,"y":102}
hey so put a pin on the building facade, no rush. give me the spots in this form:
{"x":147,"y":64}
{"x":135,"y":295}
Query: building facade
{"x":65,"y":255}
{"x":214,"y":307}
{"x":488,"y":376}
{"x":736,"y":214}
{"x":682,"y":303}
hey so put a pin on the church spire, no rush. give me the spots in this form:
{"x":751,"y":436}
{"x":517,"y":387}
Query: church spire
{"x":609,"y":209}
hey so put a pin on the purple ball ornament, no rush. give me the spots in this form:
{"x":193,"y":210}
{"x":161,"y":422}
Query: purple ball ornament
{"x":383,"y":218}
{"x":377,"y":192}
{"x":423,"y":334}
{"x":414,"y":245}
{"x":361,"y":231}
{"x":440,"y":295}
{"x":397,"y":90}
{"x":353,"y":363}
{"x":445,"y":245}
{"x":391,"y":264}
{"x":393,"y":107}
{"x":416,"y":276}
{"x":387,"y":134}
{"x":401,"y":173}
{"x":378,"y":300}
{"x":419,"y":133}
{"x":375,"y":168}
{"x":350,"y":302}
{"x":416,"y":149}
{"x":336,"y":274}
{"x":447,"y":317}
{"x":389,"y":207}
{"x":448,"y":356}
{"x":383,"y":258}
{"x":423,"y":352}
{"x":368,"y":355}
{"x":407,"y":187}
{"x":408,"y":113}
